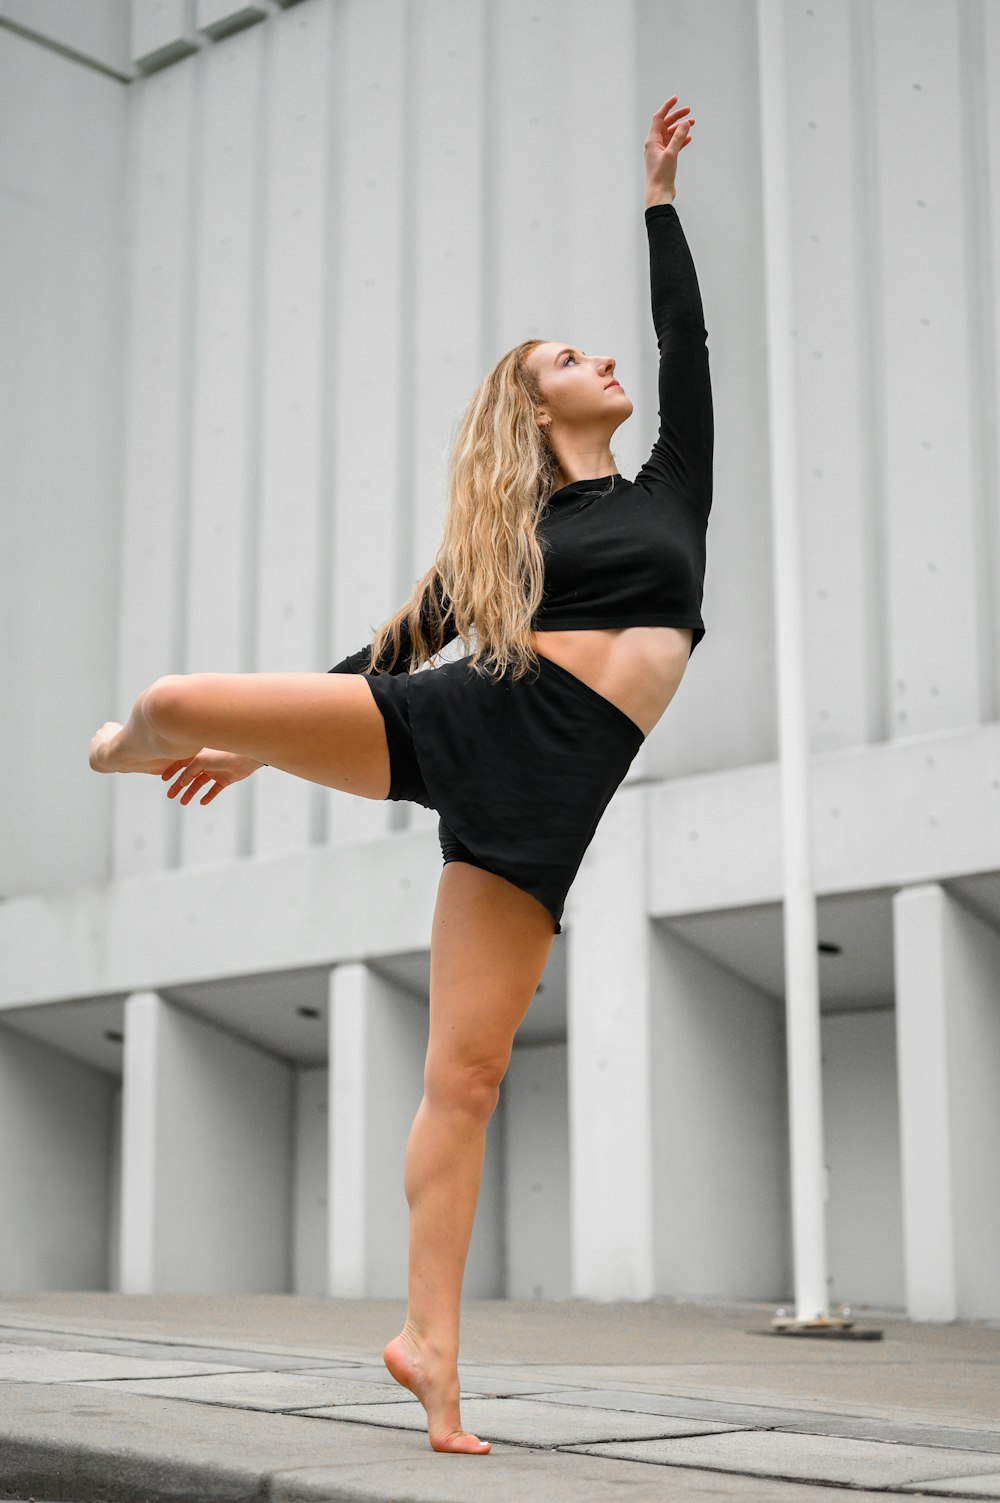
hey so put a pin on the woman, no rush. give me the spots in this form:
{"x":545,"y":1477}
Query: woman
{"x":583,"y":592}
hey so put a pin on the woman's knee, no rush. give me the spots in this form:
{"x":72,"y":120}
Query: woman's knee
{"x":161,"y":702}
{"x":473,"y":1087}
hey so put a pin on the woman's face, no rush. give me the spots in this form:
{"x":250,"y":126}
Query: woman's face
{"x":577,"y":391}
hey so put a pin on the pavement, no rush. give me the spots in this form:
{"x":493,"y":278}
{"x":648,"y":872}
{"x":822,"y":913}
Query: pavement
{"x":113,"y":1398}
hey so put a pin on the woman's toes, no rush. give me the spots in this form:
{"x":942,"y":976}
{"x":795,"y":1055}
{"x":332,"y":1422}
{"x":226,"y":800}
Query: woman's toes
{"x":462,"y":1441}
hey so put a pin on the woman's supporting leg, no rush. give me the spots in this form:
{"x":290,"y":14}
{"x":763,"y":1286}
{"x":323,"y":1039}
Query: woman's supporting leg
{"x":324,"y":727}
{"x":489,"y":945}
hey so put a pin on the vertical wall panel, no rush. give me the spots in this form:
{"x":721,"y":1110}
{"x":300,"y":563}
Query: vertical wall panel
{"x":292,"y":527}
{"x":373,"y":240}
{"x":164,"y":125}
{"x":447,"y":199}
{"x":928,"y":489}
{"x":62,"y":259}
{"x":728,"y":699}
{"x":979,"y":27}
{"x":842,"y":614}
{"x":225,"y":377}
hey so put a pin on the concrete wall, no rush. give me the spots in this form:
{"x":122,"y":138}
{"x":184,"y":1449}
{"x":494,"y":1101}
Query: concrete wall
{"x":537,"y":1174}
{"x":63,"y":272}
{"x":207,"y":1163}
{"x":56,"y":1168}
{"x":310,"y":1192}
{"x":236,"y":337}
{"x":861,"y":1139}
{"x":720,"y":1124}
{"x":240,"y":348}
{"x":948,"y":1032}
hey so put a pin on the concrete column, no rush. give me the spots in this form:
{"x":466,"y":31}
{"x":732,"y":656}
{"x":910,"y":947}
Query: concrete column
{"x":948,"y":1044}
{"x":206,"y":1157}
{"x":378,"y":1038}
{"x":608,"y":1038}
{"x":56,"y":1166}
{"x":378,"y":1043}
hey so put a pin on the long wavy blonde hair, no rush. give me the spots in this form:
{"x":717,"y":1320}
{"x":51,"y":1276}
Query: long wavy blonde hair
{"x":488,"y":572}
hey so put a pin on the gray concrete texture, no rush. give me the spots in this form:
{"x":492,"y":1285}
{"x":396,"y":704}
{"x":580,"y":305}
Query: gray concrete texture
{"x":275,"y":1398}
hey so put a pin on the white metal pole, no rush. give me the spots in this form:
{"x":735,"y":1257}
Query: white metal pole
{"x":805,"y":1095}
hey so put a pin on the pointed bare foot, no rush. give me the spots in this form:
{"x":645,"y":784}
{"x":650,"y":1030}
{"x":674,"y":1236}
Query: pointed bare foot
{"x":435,"y":1383}
{"x":105,"y":756}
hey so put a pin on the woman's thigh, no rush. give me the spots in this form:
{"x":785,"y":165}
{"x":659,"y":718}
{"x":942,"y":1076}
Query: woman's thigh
{"x":325,"y":727}
{"x":489,"y":945}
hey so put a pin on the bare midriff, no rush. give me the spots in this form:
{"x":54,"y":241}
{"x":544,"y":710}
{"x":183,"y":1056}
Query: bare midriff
{"x":638,"y":668}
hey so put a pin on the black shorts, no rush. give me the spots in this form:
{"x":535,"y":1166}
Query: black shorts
{"x":520,"y":772}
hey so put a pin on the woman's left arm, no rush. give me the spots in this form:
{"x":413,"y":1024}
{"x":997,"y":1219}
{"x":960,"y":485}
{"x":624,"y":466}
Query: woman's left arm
{"x":682,"y":456}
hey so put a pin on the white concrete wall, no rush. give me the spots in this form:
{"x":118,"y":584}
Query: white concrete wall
{"x":375,"y":1085}
{"x":537,"y":1173}
{"x":861,"y":1141}
{"x":948,"y":1031}
{"x":63,"y":258}
{"x":236,"y":339}
{"x":115,"y":1191}
{"x":613,"y":1085}
{"x":310,"y":1185}
{"x":56,"y":1168}
{"x":720,"y":1130}
{"x":207,"y":1161}
{"x":972,"y":996}
{"x":304,"y":323}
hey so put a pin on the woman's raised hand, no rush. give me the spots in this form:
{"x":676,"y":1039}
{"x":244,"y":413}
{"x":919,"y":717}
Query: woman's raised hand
{"x":669,"y":133}
{"x":219,"y":767}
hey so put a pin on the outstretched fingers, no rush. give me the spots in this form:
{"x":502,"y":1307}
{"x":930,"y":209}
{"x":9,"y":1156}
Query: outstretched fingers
{"x":669,"y":130}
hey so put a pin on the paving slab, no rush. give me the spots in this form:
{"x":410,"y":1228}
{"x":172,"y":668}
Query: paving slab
{"x":806,"y":1458}
{"x":106,"y":1447}
{"x":961,"y":1487}
{"x":854,"y":1427}
{"x":900,"y":1432}
{"x":31,"y":1364}
{"x":228,"y":1357}
{"x":530,"y":1477}
{"x":523,"y":1422}
{"x":724,"y":1414}
{"x":273,"y":1391}
{"x":498,"y":1382}
{"x":924,"y":1387}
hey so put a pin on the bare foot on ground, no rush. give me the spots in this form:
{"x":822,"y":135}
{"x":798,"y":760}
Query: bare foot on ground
{"x":435,"y":1383}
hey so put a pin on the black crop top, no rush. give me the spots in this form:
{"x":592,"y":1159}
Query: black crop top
{"x":634,"y":556}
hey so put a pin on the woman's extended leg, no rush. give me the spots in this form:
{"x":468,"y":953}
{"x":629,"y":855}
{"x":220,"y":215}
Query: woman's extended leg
{"x":325,"y":727}
{"x":489,"y":945}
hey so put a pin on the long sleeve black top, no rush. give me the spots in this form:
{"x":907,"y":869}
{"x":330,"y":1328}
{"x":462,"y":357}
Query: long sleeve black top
{"x":634,"y":555}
